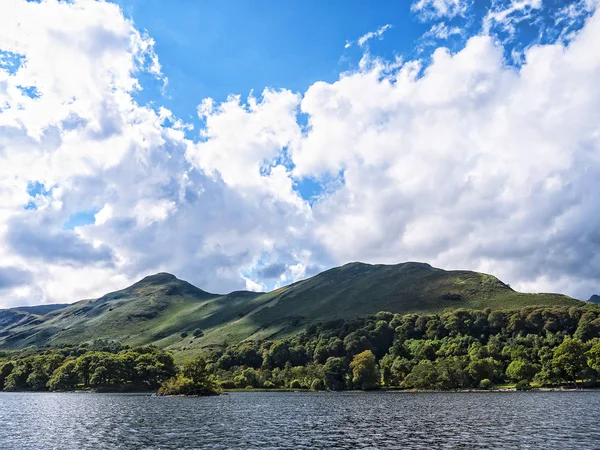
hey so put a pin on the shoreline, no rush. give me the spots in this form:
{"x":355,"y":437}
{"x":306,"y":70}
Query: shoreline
{"x":287,"y":390}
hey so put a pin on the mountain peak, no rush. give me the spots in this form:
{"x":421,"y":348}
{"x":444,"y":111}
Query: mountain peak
{"x":159,"y":278}
{"x":595,"y":298}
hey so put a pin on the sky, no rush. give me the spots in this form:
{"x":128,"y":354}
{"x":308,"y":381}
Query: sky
{"x":251,"y":145}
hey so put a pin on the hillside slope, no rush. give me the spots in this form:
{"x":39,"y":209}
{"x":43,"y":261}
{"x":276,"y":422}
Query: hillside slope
{"x":358,"y":289}
{"x":162,"y":309}
{"x":155,"y":310}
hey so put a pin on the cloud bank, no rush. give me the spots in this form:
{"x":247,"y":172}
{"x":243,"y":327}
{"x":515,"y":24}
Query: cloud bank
{"x":463,"y":162}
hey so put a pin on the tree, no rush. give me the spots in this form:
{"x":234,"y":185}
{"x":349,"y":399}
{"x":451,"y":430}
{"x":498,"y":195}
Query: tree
{"x":356,"y":342}
{"x":381,"y":338}
{"x":248,"y":354}
{"x":365,"y":374}
{"x":64,"y":378}
{"x":83,"y":367}
{"x":593,"y":358}
{"x":196,"y":371}
{"x":396,"y":371}
{"x":194,"y":380}
{"x":179,"y":385}
{"x":497,"y":320}
{"x":519,"y":370}
{"x":151,"y":369}
{"x":422,"y":349}
{"x":422,"y":376}
{"x":5,"y":371}
{"x":279,"y":354}
{"x":321,"y":354}
{"x":334,"y":371}
{"x":589,"y":327}
{"x":452,"y":373}
{"x":42,"y":368}
{"x":569,"y":360}
{"x":317,"y":385}
{"x":17,"y":379}
{"x":485,"y":368}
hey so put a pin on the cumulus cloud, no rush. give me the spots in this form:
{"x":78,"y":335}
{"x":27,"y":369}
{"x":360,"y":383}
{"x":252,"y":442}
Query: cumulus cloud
{"x":470,"y":163}
{"x":11,"y":277}
{"x":34,"y":243}
{"x":272,"y":270}
{"x":464,"y":163}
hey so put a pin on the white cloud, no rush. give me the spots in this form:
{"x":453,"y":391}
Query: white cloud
{"x":365,"y":38}
{"x":373,"y":34}
{"x":442,"y":31}
{"x":467,"y":163}
{"x":86,"y":137}
{"x":568,"y":18}
{"x":430,"y":9}
{"x":506,"y":14}
{"x":149,"y":211}
{"x":473,"y":164}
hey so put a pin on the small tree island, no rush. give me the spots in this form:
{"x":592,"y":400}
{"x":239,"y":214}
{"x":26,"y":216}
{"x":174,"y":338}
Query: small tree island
{"x":194,"y":380}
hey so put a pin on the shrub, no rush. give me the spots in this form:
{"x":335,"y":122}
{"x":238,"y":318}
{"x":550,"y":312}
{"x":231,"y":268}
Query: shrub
{"x":268,"y":385}
{"x":198,"y":332}
{"x":241,"y":381}
{"x":317,"y":385}
{"x":521,"y":370}
{"x":295,"y":384}
{"x":227,"y":384}
{"x":184,"y":335}
{"x":486,"y":383}
{"x":181,"y":385}
{"x":523,"y":385}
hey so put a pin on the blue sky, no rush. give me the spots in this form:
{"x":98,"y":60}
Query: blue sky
{"x":208,"y":50}
{"x":456,"y":132}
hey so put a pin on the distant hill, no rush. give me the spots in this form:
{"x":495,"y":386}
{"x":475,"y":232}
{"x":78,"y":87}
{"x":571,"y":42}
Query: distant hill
{"x":595,"y":299}
{"x":40,"y":310}
{"x":164,"y":310}
{"x":25,"y":315}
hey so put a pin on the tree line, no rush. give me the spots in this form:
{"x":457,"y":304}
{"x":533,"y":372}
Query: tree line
{"x":103,"y":365}
{"x":462,"y":349}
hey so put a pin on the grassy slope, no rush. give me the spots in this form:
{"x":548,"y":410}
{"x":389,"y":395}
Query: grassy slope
{"x":159,"y":308}
{"x":358,"y":289}
{"x":155,"y":310}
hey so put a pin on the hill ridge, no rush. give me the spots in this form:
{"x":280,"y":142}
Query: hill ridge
{"x":164,"y":310}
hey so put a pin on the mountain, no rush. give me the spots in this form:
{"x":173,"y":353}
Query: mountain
{"x":150,"y":310}
{"x":595,"y":299}
{"x":25,"y":315}
{"x":164,"y":310}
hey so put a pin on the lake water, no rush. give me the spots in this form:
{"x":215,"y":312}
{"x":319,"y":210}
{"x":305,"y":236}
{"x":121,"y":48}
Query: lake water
{"x":272,"y":420}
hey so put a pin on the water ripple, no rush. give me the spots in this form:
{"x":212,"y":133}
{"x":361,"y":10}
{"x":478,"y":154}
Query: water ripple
{"x":271,"y":420}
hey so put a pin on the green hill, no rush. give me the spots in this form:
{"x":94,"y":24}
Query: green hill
{"x":165,"y":311}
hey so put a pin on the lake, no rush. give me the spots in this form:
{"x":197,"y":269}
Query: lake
{"x":282,"y":420}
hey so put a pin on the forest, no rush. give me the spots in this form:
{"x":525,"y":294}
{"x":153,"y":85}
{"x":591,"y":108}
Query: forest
{"x":462,"y":349}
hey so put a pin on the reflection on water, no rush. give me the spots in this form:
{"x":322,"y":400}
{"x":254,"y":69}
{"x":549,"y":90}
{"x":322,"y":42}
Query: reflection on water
{"x":271,"y":420}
